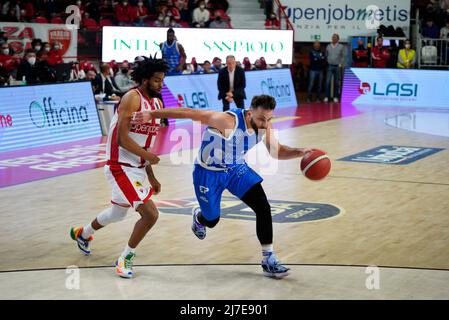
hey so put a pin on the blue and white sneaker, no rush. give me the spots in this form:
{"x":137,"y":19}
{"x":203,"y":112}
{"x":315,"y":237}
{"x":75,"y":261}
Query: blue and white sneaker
{"x":198,"y":229}
{"x":83,"y":244}
{"x":273,"y":268}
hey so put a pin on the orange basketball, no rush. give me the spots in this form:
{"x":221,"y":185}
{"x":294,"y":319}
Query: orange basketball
{"x":315,"y":165}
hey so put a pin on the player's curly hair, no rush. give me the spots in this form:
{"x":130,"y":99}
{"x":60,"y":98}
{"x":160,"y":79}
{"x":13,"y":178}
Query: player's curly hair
{"x":147,"y":67}
{"x":263,"y":101}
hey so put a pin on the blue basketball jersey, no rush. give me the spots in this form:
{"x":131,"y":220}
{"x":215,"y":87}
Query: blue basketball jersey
{"x":218,"y":152}
{"x":171,"y":54}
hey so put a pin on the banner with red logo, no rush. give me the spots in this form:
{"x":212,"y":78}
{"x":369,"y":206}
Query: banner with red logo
{"x":20,"y":36}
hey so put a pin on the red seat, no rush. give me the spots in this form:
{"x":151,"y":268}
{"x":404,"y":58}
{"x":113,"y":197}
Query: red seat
{"x":90,"y":24}
{"x":41,"y":20}
{"x":105,"y":22}
{"x":57,"y":20}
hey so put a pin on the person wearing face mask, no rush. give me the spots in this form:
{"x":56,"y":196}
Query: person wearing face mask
{"x":160,"y":21}
{"x":173,"y":23}
{"x":123,"y":79}
{"x":36,"y":45}
{"x":28,"y":69}
{"x":46,"y":47}
{"x":406,"y":58}
{"x":218,"y":23}
{"x":124,"y":13}
{"x":200,"y":16}
{"x":7,"y":61}
{"x":55,"y":55}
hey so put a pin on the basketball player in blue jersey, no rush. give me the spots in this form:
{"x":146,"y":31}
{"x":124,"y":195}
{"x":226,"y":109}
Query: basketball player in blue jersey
{"x":173,"y":53}
{"x":221,"y":165}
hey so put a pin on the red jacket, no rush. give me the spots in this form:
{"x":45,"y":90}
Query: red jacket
{"x":125,"y":14}
{"x":380,"y":57}
{"x":54,"y":57}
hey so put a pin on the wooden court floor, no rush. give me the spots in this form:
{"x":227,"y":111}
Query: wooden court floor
{"x":395,"y":217}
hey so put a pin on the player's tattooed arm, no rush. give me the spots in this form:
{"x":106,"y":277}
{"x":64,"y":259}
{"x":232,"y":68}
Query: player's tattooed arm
{"x":129,"y":104}
{"x":280,"y":151}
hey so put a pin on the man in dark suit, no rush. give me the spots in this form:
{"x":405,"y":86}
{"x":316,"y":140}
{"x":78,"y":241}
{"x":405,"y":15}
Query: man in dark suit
{"x":231,"y":84}
{"x":106,"y":84}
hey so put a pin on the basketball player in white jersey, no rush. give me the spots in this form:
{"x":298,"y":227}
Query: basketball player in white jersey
{"x":129,"y":160}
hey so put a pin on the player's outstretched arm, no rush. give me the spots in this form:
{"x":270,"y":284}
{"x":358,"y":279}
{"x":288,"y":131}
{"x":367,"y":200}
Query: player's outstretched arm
{"x":129,"y":104}
{"x":280,"y":151}
{"x":219,"y":120}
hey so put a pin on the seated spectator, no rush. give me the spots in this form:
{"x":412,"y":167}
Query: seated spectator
{"x":124,"y":13}
{"x":380,"y":54}
{"x":273,"y":22}
{"x":257,"y":65}
{"x":55,"y":55}
{"x":90,"y":75}
{"x":173,"y":23}
{"x":106,"y":9}
{"x":360,"y":58}
{"x":430,"y":30}
{"x":216,"y":64}
{"x":28,"y":70}
{"x":141,"y":14}
{"x":106,"y":85}
{"x":47,"y":74}
{"x":8,"y":60}
{"x":278,"y":64}
{"x":160,"y":21}
{"x":196,"y":68}
{"x":444,"y":32}
{"x":218,"y":23}
{"x":247,"y":64}
{"x":200,"y":16}
{"x":77,"y":73}
{"x":46,"y":47}
{"x":207,"y":67}
{"x":36,"y":45}
{"x":263,"y":63}
{"x":123,"y":79}
{"x":406,"y":57}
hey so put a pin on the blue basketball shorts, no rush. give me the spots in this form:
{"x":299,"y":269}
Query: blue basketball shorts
{"x":209,"y":186}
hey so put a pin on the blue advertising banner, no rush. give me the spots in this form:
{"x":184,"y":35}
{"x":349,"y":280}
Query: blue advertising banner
{"x":40,"y":115}
{"x":200,"y":91}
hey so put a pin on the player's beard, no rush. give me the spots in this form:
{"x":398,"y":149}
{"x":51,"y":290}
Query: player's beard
{"x":153,"y":93}
{"x":254,"y":126}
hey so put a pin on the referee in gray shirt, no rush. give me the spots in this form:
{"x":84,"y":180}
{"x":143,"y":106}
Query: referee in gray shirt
{"x":335,"y":60}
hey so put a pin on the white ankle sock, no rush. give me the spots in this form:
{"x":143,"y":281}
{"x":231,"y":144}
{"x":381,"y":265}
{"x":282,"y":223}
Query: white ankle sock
{"x":267,"y":250}
{"x":87,"y":231}
{"x":127,"y":251}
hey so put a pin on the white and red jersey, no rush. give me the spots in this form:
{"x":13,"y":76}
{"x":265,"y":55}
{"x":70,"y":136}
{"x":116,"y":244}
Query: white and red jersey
{"x":143,"y":134}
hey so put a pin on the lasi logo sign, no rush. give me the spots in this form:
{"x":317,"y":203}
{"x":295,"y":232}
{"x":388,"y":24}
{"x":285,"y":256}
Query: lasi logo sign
{"x":364,"y":88}
{"x":396,"y":89}
{"x":5,"y":120}
{"x":51,"y":115}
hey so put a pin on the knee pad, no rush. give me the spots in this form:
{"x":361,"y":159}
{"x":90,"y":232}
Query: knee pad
{"x":114,"y":214}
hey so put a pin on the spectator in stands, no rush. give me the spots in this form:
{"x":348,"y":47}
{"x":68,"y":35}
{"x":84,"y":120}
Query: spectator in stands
{"x":173,"y":23}
{"x":218,"y":23}
{"x":8,"y":60}
{"x":207,"y":67}
{"x":195,"y":67}
{"x":160,"y":20}
{"x":406,"y":58}
{"x":430,"y":30}
{"x":36,"y":45}
{"x":335,"y":59}
{"x":105,"y":84}
{"x":55,"y":55}
{"x":201,"y":15}
{"x":28,"y":70}
{"x":216,"y":64}
{"x":173,"y":53}
{"x":317,"y":60}
{"x":272,"y":22}
{"x":380,"y":54}
{"x":278,"y":64}
{"x":247,"y":64}
{"x":123,"y":79}
{"x":46,"y":73}
{"x":77,"y":73}
{"x":231,"y":84}
{"x":444,"y":32}
{"x":124,"y":13}
{"x":263,"y":64}
{"x":141,"y":14}
{"x":257,"y":65}
{"x":360,"y":57}
{"x":46,"y":47}
{"x":90,"y":75}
